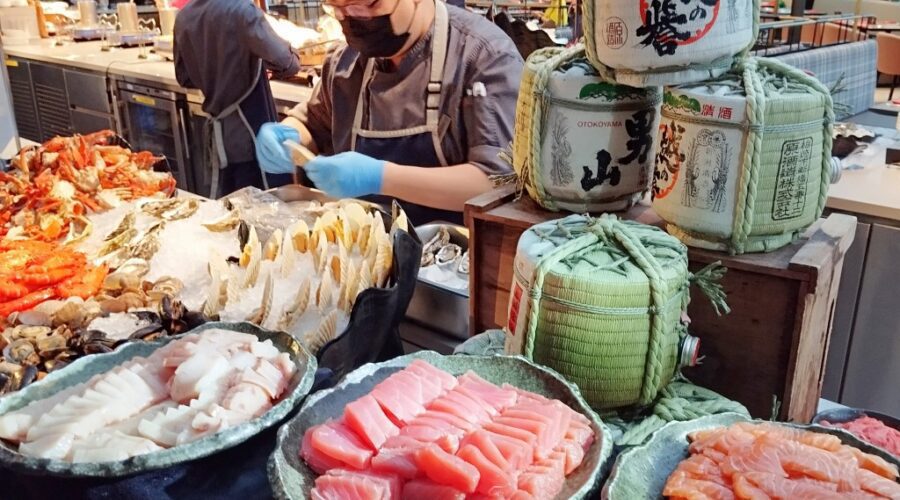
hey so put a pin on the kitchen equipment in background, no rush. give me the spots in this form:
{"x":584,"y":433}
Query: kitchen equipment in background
{"x":128,"y":17}
{"x":87,"y":11}
{"x":436,"y":304}
{"x":167,"y":20}
{"x":89,"y":26}
{"x":154,"y":120}
{"x":19,"y":25}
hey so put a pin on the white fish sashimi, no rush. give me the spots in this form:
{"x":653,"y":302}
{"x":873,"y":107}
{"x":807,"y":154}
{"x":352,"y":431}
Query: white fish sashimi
{"x":248,"y":399}
{"x":56,"y":446}
{"x":109,"y":446}
{"x":200,"y":371}
{"x":14,"y":425}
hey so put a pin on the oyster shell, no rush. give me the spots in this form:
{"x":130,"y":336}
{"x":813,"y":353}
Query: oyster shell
{"x":327,"y":331}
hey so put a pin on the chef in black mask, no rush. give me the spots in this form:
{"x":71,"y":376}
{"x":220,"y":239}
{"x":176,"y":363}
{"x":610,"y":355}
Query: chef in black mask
{"x":417,"y":106}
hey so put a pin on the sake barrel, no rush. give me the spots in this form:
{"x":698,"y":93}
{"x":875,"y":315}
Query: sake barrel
{"x":600,"y":300}
{"x":583,"y":143}
{"x":668,"y":42}
{"x":744,"y":161}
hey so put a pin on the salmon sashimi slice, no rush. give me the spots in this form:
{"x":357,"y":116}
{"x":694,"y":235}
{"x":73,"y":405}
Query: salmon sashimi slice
{"x":873,"y":483}
{"x":366,"y":418}
{"x":518,"y":454}
{"x":680,"y":484}
{"x":341,"y":484}
{"x":724,"y":440}
{"x":482,"y":440}
{"x":702,"y":467}
{"x":873,"y":463}
{"x":764,"y":455}
{"x":337,"y":441}
{"x":420,"y":489}
{"x":815,"y":439}
{"x":716,"y":455}
{"x":779,"y":487}
{"x":426,"y":434}
{"x":495,"y":396}
{"x":493,"y":481}
{"x":392,"y":395}
{"x":427,"y":370}
{"x":746,"y":490}
{"x":450,"y":470}
{"x":805,"y":460}
{"x":317,"y":461}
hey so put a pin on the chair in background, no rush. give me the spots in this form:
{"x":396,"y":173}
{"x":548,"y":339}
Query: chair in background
{"x":888,"y":61}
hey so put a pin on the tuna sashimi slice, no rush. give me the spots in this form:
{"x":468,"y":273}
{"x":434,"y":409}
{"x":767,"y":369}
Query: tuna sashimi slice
{"x":391,"y":394}
{"x":518,"y":454}
{"x":493,"y":481}
{"x":580,"y":433}
{"x":477,"y":398}
{"x":481,"y":439}
{"x":541,"y":481}
{"x":538,"y":429}
{"x":417,"y":387}
{"x":426,"y":434}
{"x":365,"y":417}
{"x":524,"y":436}
{"x":469,"y":404}
{"x":444,"y":468}
{"x":427,"y":370}
{"x":396,"y":461}
{"x":353,"y":485}
{"x":521,"y":495}
{"x":446,"y":405}
{"x":317,"y":461}
{"x":574,"y":455}
{"x":555,"y":419}
{"x":498,"y":397}
{"x":337,"y":441}
{"x":459,"y":423}
{"x":422,"y":489}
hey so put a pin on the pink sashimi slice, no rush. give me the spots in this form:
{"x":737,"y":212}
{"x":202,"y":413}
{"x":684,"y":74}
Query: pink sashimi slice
{"x":469,"y":405}
{"x":397,"y":461}
{"x":459,"y":423}
{"x":574,"y":455}
{"x":493,"y":481}
{"x":366,"y":418}
{"x":317,"y":461}
{"x":467,"y":391}
{"x":392,"y":395}
{"x":498,"y":397}
{"x":518,"y":454}
{"x":445,"y":405}
{"x":481,"y":439}
{"x":539,"y":429}
{"x":425,"y":434}
{"x":337,"y":441}
{"x":580,"y":433}
{"x":554,"y":414}
{"x":423,"y":489}
{"x":354,"y":485}
{"x":513,"y":432}
{"x":420,"y":389}
{"x":447,"y":381}
{"x":544,"y":479}
{"x":450,"y":470}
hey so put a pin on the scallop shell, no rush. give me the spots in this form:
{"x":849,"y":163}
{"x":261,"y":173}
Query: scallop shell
{"x":298,"y":232}
{"x":348,"y":231}
{"x":265,"y":307}
{"x":249,"y":248}
{"x":320,"y":256}
{"x":400,"y":223}
{"x":382,"y":269}
{"x":362,"y":238}
{"x":356,"y":214}
{"x":227,"y":222}
{"x":138,"y":267}
{"x":273,"y":245}
{"x":288,"y":258}
{"x":325,"y":292}
{"x":296,"y":307}
{"x":349,"y":288}
{"x":252,"y":274}
{"x":338,"y":264}
{"x":365,"y":279}
{"x":325,"y":333}
{"x":216,"y":296}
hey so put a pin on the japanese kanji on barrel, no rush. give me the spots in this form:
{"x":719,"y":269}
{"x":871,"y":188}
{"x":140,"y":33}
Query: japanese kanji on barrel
{"x":744,"y":161}
{"x":668,"y":42}
{"x":600,"y":300}
{"x":582,"y":142}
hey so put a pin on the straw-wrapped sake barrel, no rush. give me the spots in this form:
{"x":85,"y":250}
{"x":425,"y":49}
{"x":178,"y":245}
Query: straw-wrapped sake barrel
{"x":668,"y":42}
{"x":744,"y":161}
{"x":600,"y":300}
{"x":582,"y":143}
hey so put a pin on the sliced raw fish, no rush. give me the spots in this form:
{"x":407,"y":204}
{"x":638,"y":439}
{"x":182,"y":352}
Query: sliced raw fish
{"x":481,"y":439}
{"x":14,"y":426}
{"x":444,"y":468}
{"x":513,"y":432}
{"x":337,"y":441}
{"x":580,"y":433}
{"x":873,"y":483}
{"x":539,"y":429}
{"x":493,"y":480}
{"x":397,"y":461}
{"x":426,"y":434}
{"x":477,"y":398}
{"x":247,"y":399}
{"x":197,"y":373}
{"x":497,"y":397}
{"x":447,"y":381}
{"x":110,"y":446}
{"x":365,"y":417}
{"x":392,"y":396}
{"x":340,"y":484}
{"x":317,"y":461}
{"x":54,"y":446}
{"x":265,"y":349}
{"x":469,"y":405}
{"x":779,"y":487}
{"x":518,"y":454}
{"x":454,"y":408}
{"x":459,"y":423}
{"x":556,"y":422}
{"x":574,"y":455}
{"x":681,"y":485}
{"x":421,"y":489}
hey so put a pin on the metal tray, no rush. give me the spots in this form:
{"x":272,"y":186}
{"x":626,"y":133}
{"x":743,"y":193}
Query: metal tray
{"x":437,"y":307}
{"x":291,"y":478}
{"x":84,"y":368}
{"x":641,"y":472}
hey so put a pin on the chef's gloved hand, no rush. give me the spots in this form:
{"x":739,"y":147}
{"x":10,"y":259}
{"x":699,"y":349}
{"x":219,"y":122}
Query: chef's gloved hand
{"x":273,"y":157}
{"x":346,"y":175}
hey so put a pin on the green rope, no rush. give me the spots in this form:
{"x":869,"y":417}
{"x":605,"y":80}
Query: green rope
{"x":708,"y":280}
{"x":679,"y":401}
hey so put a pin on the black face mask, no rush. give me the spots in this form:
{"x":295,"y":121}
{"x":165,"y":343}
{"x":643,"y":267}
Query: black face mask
{"x":374,"y":37}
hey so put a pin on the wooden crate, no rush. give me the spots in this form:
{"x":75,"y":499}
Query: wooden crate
{"x":771,"y":347}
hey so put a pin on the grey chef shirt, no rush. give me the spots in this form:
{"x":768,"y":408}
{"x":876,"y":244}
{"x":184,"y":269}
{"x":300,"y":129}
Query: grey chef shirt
{"x":218,"y":45}
{"x":476,"y":128}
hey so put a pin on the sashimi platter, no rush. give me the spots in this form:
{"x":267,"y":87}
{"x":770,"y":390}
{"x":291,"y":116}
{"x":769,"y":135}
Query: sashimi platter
{"x":432,"y":426}
{"x":728,"y":456}
{"x":155,"y":404}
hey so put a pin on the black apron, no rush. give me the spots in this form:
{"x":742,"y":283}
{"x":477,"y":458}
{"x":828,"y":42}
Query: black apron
{"x":421,"y":144}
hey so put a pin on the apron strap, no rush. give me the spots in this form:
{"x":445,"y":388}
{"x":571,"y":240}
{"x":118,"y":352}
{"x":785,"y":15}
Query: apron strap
{"x":218,"y":136}
{"x":433,"y":89}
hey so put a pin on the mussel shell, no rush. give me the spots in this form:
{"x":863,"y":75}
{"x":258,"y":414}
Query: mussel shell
{"x":48,"y":347}
{"x":149,"y":332}
{"x":28,"y":375}
{"x":243,"y":234}
{"x":148,"y":316}
{"x":21,"y":352}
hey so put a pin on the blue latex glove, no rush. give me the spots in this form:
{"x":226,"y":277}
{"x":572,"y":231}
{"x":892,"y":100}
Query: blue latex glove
{"x":273,"y":157}
{"x":346,"y":175}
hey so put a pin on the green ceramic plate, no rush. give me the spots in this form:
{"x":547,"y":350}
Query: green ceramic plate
{"x":88,"y":366}
{"x":291,"y":478}
{"x":641,"y":472}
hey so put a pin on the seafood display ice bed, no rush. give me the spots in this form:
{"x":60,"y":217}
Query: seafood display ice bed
{"x":190,"y":388}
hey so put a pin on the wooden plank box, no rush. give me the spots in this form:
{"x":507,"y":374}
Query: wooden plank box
{"x":770,"y":348}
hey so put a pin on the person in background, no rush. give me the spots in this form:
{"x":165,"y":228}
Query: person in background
{"x":223,"y":48}
{"x":417,"y":107}
{"x":556,"y":15}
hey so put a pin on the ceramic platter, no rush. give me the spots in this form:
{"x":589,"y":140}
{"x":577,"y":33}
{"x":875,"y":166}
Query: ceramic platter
{"x":84,"y":368}
{"x":292,"y":479}
{"x":641,"y":472}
